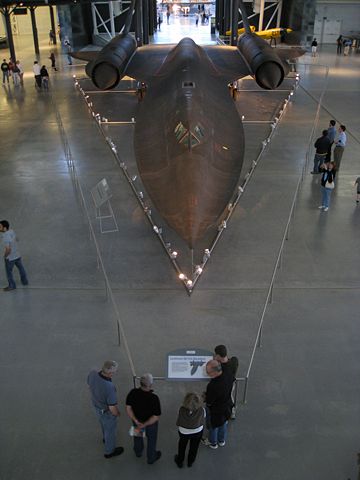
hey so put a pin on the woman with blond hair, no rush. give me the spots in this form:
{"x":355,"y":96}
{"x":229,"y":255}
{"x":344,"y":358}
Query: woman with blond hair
{"x":190,"y":421}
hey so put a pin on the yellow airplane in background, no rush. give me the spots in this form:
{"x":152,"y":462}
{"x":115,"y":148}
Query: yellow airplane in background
{"x":265,"y":34}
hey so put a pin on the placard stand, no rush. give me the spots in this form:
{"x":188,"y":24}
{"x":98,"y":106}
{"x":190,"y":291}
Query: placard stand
{"x":101,"y":195}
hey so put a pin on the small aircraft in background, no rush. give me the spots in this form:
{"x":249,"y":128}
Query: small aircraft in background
{"x":189,"y":138}
{"x":270,"y":34}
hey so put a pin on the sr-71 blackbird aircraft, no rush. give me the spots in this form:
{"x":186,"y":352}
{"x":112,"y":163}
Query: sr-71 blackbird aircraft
{"x":189,"y":138}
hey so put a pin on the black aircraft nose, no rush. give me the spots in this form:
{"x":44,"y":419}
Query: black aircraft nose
{"x":105,"y":75}
{"x":269,"y":75}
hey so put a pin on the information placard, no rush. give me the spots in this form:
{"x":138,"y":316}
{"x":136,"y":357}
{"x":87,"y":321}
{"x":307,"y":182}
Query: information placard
{"x":101,"y":193}
{"x":188,"y":364}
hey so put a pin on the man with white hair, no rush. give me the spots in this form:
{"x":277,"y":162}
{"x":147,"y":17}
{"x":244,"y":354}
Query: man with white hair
{"x":143,"y":407}
{"x":104,"y":399}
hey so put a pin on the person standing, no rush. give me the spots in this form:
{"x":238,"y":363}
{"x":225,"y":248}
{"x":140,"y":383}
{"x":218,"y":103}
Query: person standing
{"x":44,"y":77}
{"x":37,"y":74}
{"x":21,"y":71}
{"x":11,"y":256}
{"x":168,"y":14}
{"x":340,"y":146}
{"x":218,"y":403}
{"x":143,"y":408}
{"x":5,"y":70}
{"x":331,"y":135}
{"x":104,"y":400}
{"x":16,"y":74}
{"x":314,"y":45}
{"x":191,"y":418}
{"x":229,"y":366}
{"x":339,"y":43}
{"x":357,"y":185}
{"x":322,"y":146}
{"x":327,"y":184}
{"x":68,"y":50}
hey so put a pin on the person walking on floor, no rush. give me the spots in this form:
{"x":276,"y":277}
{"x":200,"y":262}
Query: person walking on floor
{"x":340,"y":146}
{"x":37,"y":74}
{"x":68,"y":50}
{"x":322,"y":146}
{"x":327,"y":185}
{"x":143,"y":408}
{"x":314,"y":45}
{"x":11,"y":256}
{"x":21,"y":71}
{"x":191,"y":418}
{"x":5,"y":71}
{"x":104,"y":400}
{"x":53,"y":61}
{"x":218,"y":403}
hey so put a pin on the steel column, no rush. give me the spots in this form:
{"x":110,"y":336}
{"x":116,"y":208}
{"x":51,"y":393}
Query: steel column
{"x":112,"y":22}
{"x":6,"y":12}
{"x":52,"y":20}
{"x":145,"y":21}
{"x":34,"y":29}
{"x":138,"y":23}
{"x":221,"y":17}
{"x":261,"y":16}
{"x":234,"y":21}
{"x":227,"y":11}
{"x":278,"y":20}
{"x":151,"y":17}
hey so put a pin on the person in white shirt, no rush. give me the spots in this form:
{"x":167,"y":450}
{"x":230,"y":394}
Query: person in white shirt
{"x":340,"y":146}
{"x":36,"y":70}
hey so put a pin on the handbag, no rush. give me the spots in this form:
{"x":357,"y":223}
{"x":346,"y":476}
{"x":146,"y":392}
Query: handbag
{"x":329,"y":185}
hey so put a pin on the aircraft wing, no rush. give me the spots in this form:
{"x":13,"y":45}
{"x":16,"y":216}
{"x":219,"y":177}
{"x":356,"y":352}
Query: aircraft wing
{"x":87,"y":55}
{"x":148,"y":59}
{"x":289,"y":53}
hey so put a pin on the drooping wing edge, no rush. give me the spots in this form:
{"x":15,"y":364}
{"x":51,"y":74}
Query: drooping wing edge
{"x":87,"y":55}
{"x":289,"y":53}
{"x":147,"y":60}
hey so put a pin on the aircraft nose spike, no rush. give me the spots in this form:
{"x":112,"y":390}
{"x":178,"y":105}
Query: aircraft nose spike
{"x":269,"y":75}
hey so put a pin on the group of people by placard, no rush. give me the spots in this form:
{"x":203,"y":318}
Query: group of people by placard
{"x":212,"y":409}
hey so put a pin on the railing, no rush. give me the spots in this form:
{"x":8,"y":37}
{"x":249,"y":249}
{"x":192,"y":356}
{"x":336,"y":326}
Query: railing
{"x":269,"y":296}
{"x":100,"y":263}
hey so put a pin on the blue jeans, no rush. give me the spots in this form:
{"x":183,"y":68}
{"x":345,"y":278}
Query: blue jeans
{"x":218,"y":434}
{"x":318,"y":160}
{"x":6,"y":76}
{"x":9,"y":265}
{"x":326,"y":193}
{"x":151,"y":435}
{"x":108,"y":428}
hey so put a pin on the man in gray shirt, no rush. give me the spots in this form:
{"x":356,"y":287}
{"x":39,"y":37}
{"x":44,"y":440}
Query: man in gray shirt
{"x":104,"y":400}
{"x":11,"y":256}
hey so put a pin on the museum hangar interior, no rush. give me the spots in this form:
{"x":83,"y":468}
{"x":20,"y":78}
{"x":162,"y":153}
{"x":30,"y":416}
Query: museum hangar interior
{"x":275,"y":279}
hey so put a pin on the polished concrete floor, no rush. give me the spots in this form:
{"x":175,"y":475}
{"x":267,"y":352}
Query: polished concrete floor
{"x":302,"y":415}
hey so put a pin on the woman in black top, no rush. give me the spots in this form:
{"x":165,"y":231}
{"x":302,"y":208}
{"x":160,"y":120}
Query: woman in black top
{"x":327,"y":184}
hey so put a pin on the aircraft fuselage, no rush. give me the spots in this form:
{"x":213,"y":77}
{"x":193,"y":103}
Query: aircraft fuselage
{"x":189,"y":141}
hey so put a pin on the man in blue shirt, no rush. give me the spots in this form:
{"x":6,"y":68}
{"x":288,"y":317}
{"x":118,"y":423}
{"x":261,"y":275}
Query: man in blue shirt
{"x":331,"y":134}
{"x":103,"y":397}
{"x":11,"y":256}
{"x":340,"y":146}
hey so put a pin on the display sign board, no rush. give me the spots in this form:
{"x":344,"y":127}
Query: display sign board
{"x":188,"y":364}
{"x":101,"y":193}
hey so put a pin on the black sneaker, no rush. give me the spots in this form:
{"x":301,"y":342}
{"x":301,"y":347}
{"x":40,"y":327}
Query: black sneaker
{"x":8,"y":289}
{"x":176,"y":460}
{"x":158,"y":455}
{"x":115,"y":453}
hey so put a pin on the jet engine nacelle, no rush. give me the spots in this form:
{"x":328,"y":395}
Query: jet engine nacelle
{"x":109,"y":66}
{"x":269,"y":70}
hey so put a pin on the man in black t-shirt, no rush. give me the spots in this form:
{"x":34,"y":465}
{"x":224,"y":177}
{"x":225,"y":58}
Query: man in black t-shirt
{"x":143,"y":407}
{"x":5,"y":70}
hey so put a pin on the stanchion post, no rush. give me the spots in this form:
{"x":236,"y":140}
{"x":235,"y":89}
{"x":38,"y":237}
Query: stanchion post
{"x":245,"y":390}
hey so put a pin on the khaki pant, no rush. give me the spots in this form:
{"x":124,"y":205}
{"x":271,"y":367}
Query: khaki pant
{"x":338,"y":153}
